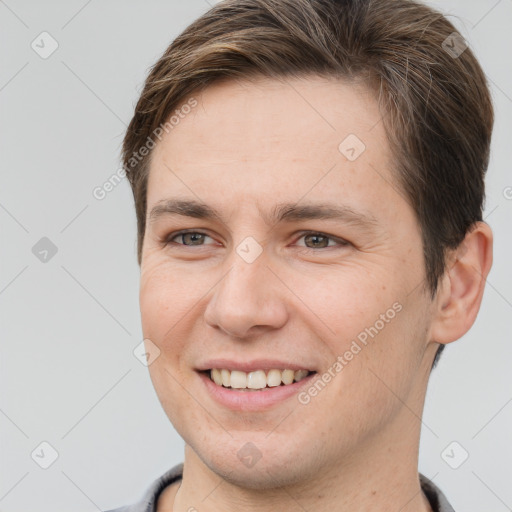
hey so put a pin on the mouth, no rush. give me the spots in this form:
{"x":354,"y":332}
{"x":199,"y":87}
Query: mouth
{"x":257,"y":380}
{"x":256,"y":385}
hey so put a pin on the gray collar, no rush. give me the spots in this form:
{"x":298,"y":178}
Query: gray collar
{"x":437,"y":499}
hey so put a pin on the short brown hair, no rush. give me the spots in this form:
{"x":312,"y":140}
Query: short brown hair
{"x":437,"y":108}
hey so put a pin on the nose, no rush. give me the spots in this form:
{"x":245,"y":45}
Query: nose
{"x":248,"y":300}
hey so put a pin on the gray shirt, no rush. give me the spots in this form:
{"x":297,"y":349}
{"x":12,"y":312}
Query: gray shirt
{"x":436,"y":498}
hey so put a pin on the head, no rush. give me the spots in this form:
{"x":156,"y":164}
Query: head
{"x":258,"y":112}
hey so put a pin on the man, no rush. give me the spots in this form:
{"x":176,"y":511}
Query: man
{"x":308,"y":180}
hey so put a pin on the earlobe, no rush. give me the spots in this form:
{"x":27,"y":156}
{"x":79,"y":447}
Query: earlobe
{"x":462,"y":286}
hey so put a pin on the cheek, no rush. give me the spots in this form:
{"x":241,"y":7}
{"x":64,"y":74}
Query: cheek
{"x":343,"y":301}
{"x":374,"y":326}
{"x":164,"y":299}
{"x":170,"y":305}
{"x":165,"y":303}
{"x":385,"y":352}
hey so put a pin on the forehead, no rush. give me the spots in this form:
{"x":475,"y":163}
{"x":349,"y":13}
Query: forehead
{"x":301,"y":112}
{"x":276,"y":139}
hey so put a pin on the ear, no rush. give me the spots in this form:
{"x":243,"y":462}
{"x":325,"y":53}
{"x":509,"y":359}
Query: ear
{"x":461,"y":288}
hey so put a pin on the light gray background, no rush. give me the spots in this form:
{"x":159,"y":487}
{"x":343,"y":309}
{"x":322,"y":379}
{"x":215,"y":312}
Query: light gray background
{"x":69,"y":326}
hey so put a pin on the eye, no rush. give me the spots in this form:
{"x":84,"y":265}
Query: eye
{"x":321,"y":240}
{"x":187,"y":238}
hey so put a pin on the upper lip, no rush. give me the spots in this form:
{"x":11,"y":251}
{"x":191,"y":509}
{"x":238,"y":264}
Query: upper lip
{"x":251,"y":366}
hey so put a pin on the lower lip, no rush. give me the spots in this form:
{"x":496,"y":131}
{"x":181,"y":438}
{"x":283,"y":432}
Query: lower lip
{"x":252,"y":400}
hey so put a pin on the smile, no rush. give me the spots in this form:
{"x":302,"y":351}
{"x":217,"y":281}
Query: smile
{"x":256,"y":380}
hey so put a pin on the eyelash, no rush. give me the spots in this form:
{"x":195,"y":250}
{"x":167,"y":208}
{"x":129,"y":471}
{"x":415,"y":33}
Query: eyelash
{"x":341,"y":243}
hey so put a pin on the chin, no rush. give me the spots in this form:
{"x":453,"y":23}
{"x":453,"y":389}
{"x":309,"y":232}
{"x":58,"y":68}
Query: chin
{"x":276,"y":465}
{"x":263,"y":475}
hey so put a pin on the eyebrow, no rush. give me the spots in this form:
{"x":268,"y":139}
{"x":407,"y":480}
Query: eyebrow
{"x":282,"y":212}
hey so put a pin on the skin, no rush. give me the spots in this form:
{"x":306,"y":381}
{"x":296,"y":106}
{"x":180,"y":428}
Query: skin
{"x":246,"y":147}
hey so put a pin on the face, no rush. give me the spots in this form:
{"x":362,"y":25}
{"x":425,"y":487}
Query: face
{"x":300,"y":253}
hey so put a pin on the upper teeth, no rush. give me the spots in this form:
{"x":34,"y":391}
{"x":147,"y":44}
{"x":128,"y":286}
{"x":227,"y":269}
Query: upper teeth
{"x":257,"y":379}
